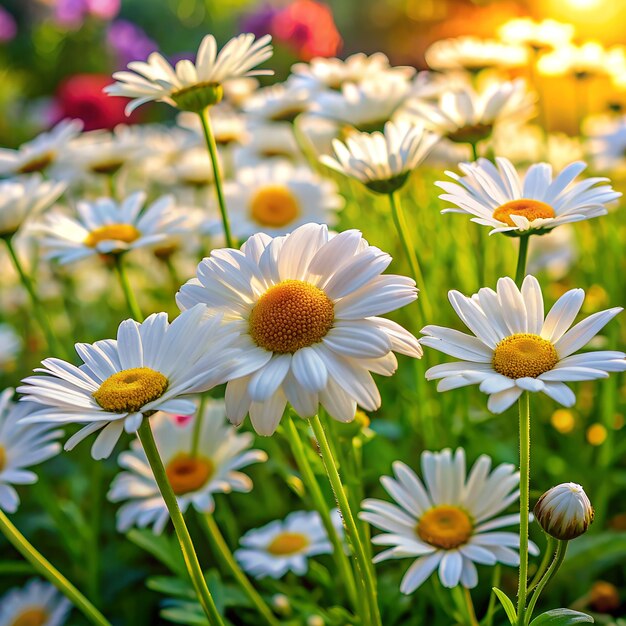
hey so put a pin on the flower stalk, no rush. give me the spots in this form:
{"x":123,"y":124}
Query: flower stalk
{"x":129,"y":294}
{"x":524,"y":500}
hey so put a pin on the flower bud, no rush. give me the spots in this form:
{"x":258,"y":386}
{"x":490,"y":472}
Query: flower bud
{"x":564,"y":512}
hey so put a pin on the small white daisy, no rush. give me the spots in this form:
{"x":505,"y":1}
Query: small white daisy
{"x":474,"y":54}
{"x":37,"y":603}
{"x":283,"y":545}
{"x":10,"y":346}
{"x":282,"y":102}
{"x":277,"y":197}
{"x":588,"y":60}
{"x":147,"y":369}
{"x":382,"y":161}
{"x":497,"y":196}
{"x":608,"y":144}
{"x":515,"y":348}
{"x":105,"y":227}
{"x":306,"y":306}
{"x":21,"y":446}
{"x":542,"y":35}
{"x":192,"y":86}
{"x":270,"y":142}
{"x":41,"y":152}
{"x":222,"y":452}
{"x":447,"y":522}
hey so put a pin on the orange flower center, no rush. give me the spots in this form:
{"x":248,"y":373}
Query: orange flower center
{"x":129,"y":390}
{"x":112,"y":232}
{"x":445,"y":527}
{"x":3,"y":458}
{"x":187,"y":473}
{"x":288,"y":543}
{"x":31,"y":617}
{"x":290,"y":316}
{"x":274,"y":206}
{"x":36,"y":164}
{"x":530,"y":209}
{"x":524,"y":355}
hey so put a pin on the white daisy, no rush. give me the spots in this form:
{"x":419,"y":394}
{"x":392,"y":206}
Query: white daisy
{"x":147,"y":369}
{"x":282,"y":102}
{"x":497,"y":196}
{"x":229,"y":126}
{"x":270,"y":142}
{"x":587,"y":60}
{"x":382,"y":161}
{"x":553,"y":253}
{"x":277,"y":197}
{"x":516,"y":349}
{"x":306,"y":306}
{"x":474,"y":54}
{"x":222,"y":452}
{"x":38,"y":154}
{"x":283,"y":545}
{"x":10,"y":346}
{"x":190,"y":86}
{"x":36,"y":604}
{"x":25,"y":196}
{"x":539,"y":35}
{"x":448,"y":522}
{"x":21,"y":446}
{"x":105,"y":227}
{"x":608,"y":144}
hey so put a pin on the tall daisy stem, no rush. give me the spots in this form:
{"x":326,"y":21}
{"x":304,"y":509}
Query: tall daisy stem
{"x":205,"y":120}
{"x":409,"y":251}
{"x":42,"y":319}
{"x":186,"y":544}
{"x":49,"y":572}
{"x":312,"y":486}
{"x":524,"y":504}
{"x":364,"y":564}
{"x":221,"y":549}
{"x":522,"y":255}
{"x":129,"y":294}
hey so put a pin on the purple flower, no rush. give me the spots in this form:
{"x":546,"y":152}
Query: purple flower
{"x":8,"y":27}
{"x":70,"y":13}
{"x":260,"y":22}
{"x":129,"y":42}
{"x":103,"y":9}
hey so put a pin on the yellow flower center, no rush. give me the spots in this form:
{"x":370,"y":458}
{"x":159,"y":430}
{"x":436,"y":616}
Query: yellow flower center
{"x":290,"y":316}
{"x":274,"y":206}
{"x":129,"y":390}
{"x":445,"y":527}
{"x":524,"y":355}
{"x":107,"y":167}
{"x":288,"y":543}
{"x":472,"y":133}
{"x":112,"y":232}
{"x":31,"y":617}
{"x":187,"y":473}
{"x":36,"y":164}
{"x":3,"y":458}
{"x":530,"y":209}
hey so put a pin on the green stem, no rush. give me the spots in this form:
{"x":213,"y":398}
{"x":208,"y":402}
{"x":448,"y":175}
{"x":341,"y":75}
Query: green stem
{"x":197,"y":426}
{"x":312,"y":486}
{"x":352,"y":531}
{"x":42,"y":319}
{"x":222,"y":551}
{"x":205,"y":120}
{"x":474,"y":147}
{"x":520,"y":272}
{"x":129,"y":294}
{"x":409,"y":251}
{"x":524,"y":504}
{"x":491,"y":607}
{"x":49,"y":572}
{"x":561,"y":549}
{"x":471,"y":612}
{"x":545,"y":562}
{"x":93,"y":563}
{"x":186,"y":545}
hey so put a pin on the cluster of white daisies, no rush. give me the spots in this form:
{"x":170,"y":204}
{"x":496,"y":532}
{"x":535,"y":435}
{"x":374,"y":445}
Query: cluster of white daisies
{"x":295,"y":316}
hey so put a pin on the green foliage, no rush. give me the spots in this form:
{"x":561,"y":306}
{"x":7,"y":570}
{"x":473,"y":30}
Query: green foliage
{"x":561,"y":617}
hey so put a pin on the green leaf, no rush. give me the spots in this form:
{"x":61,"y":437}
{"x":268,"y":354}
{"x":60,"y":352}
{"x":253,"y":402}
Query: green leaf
{"x":509,"y":609}
{"x":162,"y":548}
{"x":561,"y":617}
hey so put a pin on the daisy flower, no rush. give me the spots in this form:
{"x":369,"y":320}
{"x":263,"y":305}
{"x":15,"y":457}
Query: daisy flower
{"x":515,"y":348}
{"x":447,"y":522}
{"x":277,"y":197}
{"x":306,"y":306}
{"x":270,"y":142}
{"x":38,"y":154}
{"x":103,"y":226}
{"x":585,"y":61}
{"x":538,"y":35}
{"x":282,"y":102}
{"x":608,"y":144}
{"x":382,"y":161}
{"x":21,"y":446}
{"x":10,"y":346}
{"x":148,"y":368}
{"x":497,"y":196}
{"x":283,"y":545}
{"x":25,"y":196}
{"x":192,"y":86}
{"x":222,"y":452}
{"x":36,"y":603}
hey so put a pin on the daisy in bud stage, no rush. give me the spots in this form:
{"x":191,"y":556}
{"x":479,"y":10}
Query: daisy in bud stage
{"x":21,"y":446}
{"x":496,"y":195}
{"x":564,"y":512}
{"x":36,"y":604}
{"x":147,"y":369}
{"x":307,"y":308}
{"x":192,"y":86}
{"x":450,"y":522}
{"x":195,"y":477}
{"x":515,"y":348}
{"x":283,"y":545}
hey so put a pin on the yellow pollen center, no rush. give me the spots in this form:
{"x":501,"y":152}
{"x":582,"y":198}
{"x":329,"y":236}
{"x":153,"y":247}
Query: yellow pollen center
{"x":3,"y":458}
{"x":288,"y":543}
{"x":530,"y":209}
{"x":187,"y":473}
{"x":112,"y":232}
{"x":290,"y":316}
{"x":274,"y":206}
{"x":524,"y":355}
{"x":445,"y":527}
{"x":129,"y":390}
{"x":37,"y":164}
{"x":31,"y":617}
